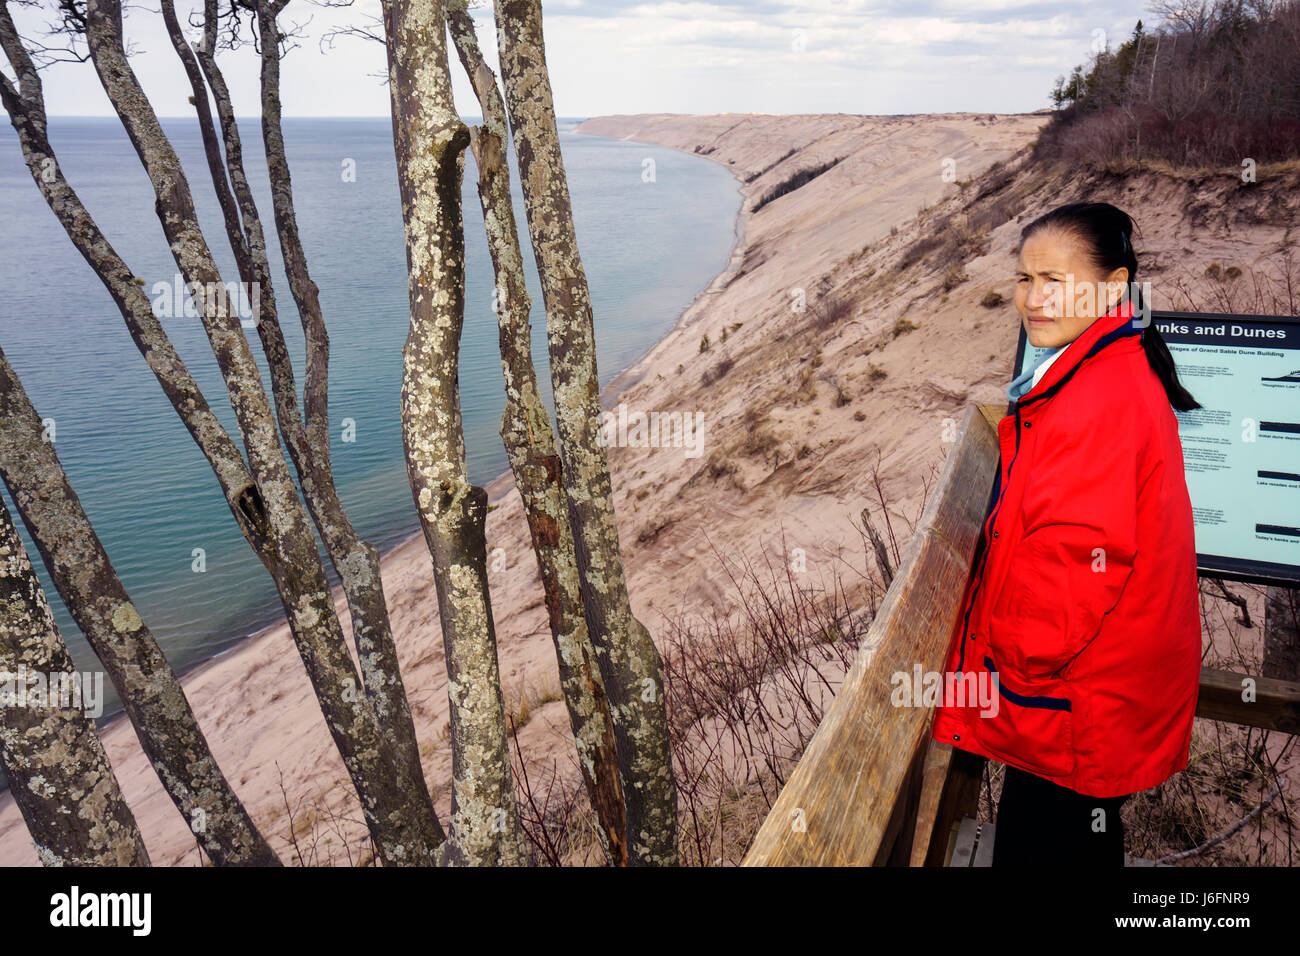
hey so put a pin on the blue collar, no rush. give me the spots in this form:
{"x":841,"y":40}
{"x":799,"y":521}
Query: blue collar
{"x":1022,"y":382}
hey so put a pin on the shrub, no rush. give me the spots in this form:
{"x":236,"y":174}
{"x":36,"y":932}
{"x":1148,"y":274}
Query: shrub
{"x":719,"y":464}
{"x":758,"y":443}
{"x":829,"y":311}
{"x":806,"y":390}
{"x":755,"y":175}
{"x":1214,"y":85}
{"x":903,"y":325}
{"x":718,"y":371}
{"x":953,"y":278}
{"x":919,"y":250}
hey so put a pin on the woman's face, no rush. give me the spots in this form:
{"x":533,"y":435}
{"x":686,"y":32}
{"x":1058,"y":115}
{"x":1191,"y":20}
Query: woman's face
{"x":1059,"y":291}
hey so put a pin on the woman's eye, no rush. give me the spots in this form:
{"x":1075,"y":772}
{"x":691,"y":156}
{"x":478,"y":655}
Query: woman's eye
{"x":1022,"y":278}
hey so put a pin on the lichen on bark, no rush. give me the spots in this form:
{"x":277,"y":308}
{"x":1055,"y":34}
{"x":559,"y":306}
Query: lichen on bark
{"x":530,"y":445}
{"x":430,"y":141}
{"x":628,"y":659}
{"x":58,"y":772}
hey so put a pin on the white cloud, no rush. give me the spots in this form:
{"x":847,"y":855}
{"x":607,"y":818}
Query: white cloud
{"x":872,"y":56}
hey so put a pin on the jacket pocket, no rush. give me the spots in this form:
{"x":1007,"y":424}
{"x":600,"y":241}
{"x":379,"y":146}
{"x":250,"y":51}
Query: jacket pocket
{"x":1028,"y":622}
{"x":1033,"y":727}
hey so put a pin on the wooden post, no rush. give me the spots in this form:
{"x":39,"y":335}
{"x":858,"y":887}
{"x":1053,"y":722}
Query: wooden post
{"x":956,"y":796}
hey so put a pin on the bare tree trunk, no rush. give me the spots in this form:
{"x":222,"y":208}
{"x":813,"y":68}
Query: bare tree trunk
{"x":356,"y":561}
{"x":430,"y":143}
{"x":58,"y":771}
{"x":530,"y":442}
{"x":151,"y":694}
{"x":27,"y":114}
{"x":398,"y":825}
{"x":627,"y":656}
{"x":189,"y":770}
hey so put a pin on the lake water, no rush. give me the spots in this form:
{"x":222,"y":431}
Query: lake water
{"x":648,"y":248}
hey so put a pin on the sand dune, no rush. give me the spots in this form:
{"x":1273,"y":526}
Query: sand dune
{"x":796,"y":411}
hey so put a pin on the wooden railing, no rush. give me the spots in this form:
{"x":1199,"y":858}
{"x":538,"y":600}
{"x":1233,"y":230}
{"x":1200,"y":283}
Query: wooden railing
{"x":872,"y":787}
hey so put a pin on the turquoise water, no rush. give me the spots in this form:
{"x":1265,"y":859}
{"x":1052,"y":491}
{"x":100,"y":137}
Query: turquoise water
{"x":648,"y":249}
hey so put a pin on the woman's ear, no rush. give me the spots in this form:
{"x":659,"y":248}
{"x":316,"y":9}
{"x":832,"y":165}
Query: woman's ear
{"x":1116,"y":283}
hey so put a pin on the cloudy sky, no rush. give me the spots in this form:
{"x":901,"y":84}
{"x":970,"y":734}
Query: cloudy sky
{"x":616,"y":56}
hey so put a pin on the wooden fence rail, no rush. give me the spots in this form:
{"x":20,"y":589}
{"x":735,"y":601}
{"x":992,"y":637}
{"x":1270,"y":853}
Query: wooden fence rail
{"x":857,"y":786}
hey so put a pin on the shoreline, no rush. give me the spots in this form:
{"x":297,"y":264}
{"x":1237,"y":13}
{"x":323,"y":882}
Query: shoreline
{"x":815,"y":421}
{"x":499,"y":487}
{"x":624,"y":381}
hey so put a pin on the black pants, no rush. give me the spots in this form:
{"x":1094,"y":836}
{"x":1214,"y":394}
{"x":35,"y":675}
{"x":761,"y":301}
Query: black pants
{"x":1042,"y":823}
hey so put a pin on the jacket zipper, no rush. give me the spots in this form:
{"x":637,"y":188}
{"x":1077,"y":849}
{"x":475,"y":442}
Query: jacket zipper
{"x":1118,"y":333}
{"x":988,"y":543}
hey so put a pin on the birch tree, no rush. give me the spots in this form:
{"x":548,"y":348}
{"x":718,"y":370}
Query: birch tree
{"x":628,"y":659}
{"x":305,"y":430}
{"x":57,"y":768}
{"x":430,"y":142}
{"x":567,"y":496}
{"x":261,"y":492}
{"x":611,"y":674}
{"x":90,"y":587}
{"x":534,"y":460}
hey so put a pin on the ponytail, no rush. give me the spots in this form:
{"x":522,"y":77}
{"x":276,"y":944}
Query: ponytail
{"x":1162,"y":363}
{"x":1108,"y":232}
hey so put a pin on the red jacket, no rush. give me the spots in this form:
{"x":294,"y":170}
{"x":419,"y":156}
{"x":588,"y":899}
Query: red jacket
{"x":1083,"y":598}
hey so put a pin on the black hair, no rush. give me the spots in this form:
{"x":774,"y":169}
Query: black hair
{"x":1108,"y":232}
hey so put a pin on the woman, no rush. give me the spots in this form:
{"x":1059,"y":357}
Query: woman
{"x":1081,"y":617}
